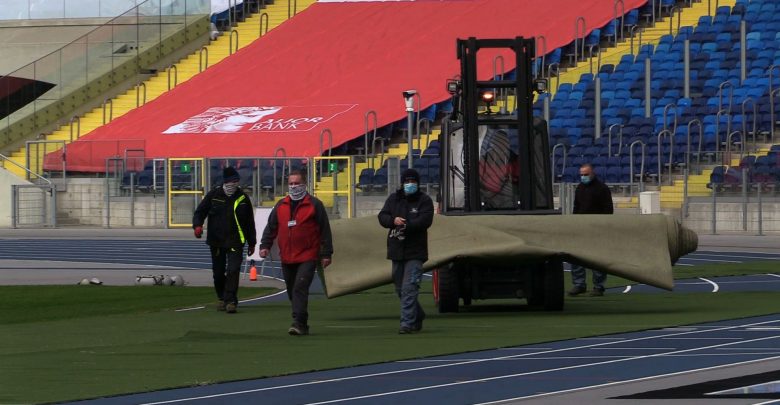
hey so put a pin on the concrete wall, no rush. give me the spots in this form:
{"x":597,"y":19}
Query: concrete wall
{"x":82,"y":201}
{"x":729,"y":217}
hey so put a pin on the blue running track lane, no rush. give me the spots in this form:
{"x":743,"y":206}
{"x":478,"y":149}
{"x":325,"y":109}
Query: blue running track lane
{"x":513,"y":373}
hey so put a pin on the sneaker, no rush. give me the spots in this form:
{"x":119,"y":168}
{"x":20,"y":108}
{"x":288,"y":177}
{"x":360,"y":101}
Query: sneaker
{"x":576,"y":290}
{"x":298,"y":330}
{"x":597,"y":292}
{"x":230,"y":308}
{"x":406,"y":330}
{"x":220,"y":305}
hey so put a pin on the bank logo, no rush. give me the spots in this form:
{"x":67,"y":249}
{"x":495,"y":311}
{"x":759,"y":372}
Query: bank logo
{"x":254,"y":119}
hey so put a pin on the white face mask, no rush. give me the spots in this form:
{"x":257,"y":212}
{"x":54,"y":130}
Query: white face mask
{"x":230,"y":188}
{"x":297,"y":191}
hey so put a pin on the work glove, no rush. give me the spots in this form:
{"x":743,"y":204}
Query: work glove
{"x":263,"y":253}
{"x":198,"y":231}
{"x":250,"y":250}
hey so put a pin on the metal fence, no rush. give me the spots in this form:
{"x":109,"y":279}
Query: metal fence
{"x":33,"y":206}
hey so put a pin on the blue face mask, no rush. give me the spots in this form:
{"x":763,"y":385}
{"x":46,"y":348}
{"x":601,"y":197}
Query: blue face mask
{"x":585,"y":179}
{"x":410,"y":188}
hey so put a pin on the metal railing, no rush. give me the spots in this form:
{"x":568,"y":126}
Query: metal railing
{"x":577,"y":33}
{"x":370,"y":113}
{"x":201,"y":63}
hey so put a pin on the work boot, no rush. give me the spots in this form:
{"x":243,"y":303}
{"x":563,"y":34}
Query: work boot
{"x":419,"y":324}
{"x":220,"y":305}
{"x":231,"y":308}
{"x":298,"y":330}
{"x":597,"y":292}
{"x":405,"y":330}
{"x":576,"y":290}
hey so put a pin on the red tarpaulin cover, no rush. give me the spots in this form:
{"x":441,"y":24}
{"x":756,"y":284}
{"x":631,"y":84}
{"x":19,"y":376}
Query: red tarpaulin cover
{"x":326,"y":68}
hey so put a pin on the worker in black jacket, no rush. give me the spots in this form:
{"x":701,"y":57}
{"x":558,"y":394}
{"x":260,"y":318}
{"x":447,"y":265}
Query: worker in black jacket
{"x":231,"y":225}
{"x":591,"y":197}
{"x":408,"y":213}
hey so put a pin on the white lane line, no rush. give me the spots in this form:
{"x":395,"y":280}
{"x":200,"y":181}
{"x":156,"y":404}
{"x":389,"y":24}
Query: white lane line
{"x":601,"y":338}
{"x":503,"y":377}
{"x":715,"y":286}
{"x":773,"y":275}
{"x":523,"y":359}
{"x":774,"y":401}
{"x":634,"y":348}
{"x":749,"y":348}
{"x":762,"y":329}
{"x":190,"y":309}
{"x":265,"y":297}
{"x":682,"y":264}
{"x":601,"y":357}
{"x":653,"y":377}
{"x":525,"y":348}
{"x":627,"y":289}
{"x":701,"y":338}
{"x":742,"y":256}
{"x":712,"y":260}
{"x":385,"y":373}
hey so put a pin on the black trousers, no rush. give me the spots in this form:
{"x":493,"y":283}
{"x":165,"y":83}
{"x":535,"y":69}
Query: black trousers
{"x":226,"y":266}
{"x":298,"y":277}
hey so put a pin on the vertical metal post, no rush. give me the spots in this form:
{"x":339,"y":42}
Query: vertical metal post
{"x":132,"y":198}
{"x":165,"y":194}
{"x":547,"y":111}
{"x":687,"y":69}
{"x":409,"y":126}
{"x":335,"y":175}
{"x":760,"y":212}
{"x":685,"y":194}
{"x":745,"y":175}
{"x":742,"y":52}
{"x":597,"y":120}
{"x":648,"y":77}
{"x":53,"y":207}
{"x":14,"y":205}
{"x":108,"y":200}
{"x":714,"y":208}
{"x":352,"y":193}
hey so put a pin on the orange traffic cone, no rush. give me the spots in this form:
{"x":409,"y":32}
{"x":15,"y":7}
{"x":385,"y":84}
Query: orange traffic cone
{"x":253,"y":272}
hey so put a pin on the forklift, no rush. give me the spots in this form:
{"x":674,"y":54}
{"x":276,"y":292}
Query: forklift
{"x":496,"y":163}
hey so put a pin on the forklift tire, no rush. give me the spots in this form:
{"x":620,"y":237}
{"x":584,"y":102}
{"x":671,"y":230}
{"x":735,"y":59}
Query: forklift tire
{"x":553,"y":286}
{"x":447,"y":288}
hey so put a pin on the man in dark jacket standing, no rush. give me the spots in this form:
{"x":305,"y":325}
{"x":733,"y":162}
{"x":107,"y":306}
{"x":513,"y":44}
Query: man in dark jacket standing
{"x":300,"y":225}
{"x":231,"y":225}
{"x":408,"y":213}
{"x":591,"y":197}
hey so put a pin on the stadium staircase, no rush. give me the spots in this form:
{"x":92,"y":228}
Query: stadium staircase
{"x":240,"y":36}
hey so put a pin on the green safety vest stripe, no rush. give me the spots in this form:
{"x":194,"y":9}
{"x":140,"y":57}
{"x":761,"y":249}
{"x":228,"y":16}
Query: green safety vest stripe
{"x":235,"y":205}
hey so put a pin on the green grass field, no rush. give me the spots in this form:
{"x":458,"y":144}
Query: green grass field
{"x":74,"y":342}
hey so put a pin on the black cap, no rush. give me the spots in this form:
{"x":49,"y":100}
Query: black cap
{"x":410,"y":174}
{"x":230,"y":174}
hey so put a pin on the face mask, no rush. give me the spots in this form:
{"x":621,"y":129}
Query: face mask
{"x":297,"y":191}
{"x":410,"y":188}
{"x":230,"y":188}
{"x":585,"y":179}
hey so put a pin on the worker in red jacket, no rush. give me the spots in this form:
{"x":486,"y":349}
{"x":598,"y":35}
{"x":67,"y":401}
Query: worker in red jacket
{"x":299,"y":224}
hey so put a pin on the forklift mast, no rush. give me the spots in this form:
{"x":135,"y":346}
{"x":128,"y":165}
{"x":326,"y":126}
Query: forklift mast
{"x":479,"y":153}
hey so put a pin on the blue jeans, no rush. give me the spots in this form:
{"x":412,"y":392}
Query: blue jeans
{"x":406,"y":276}
{"x":578,"y":277}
